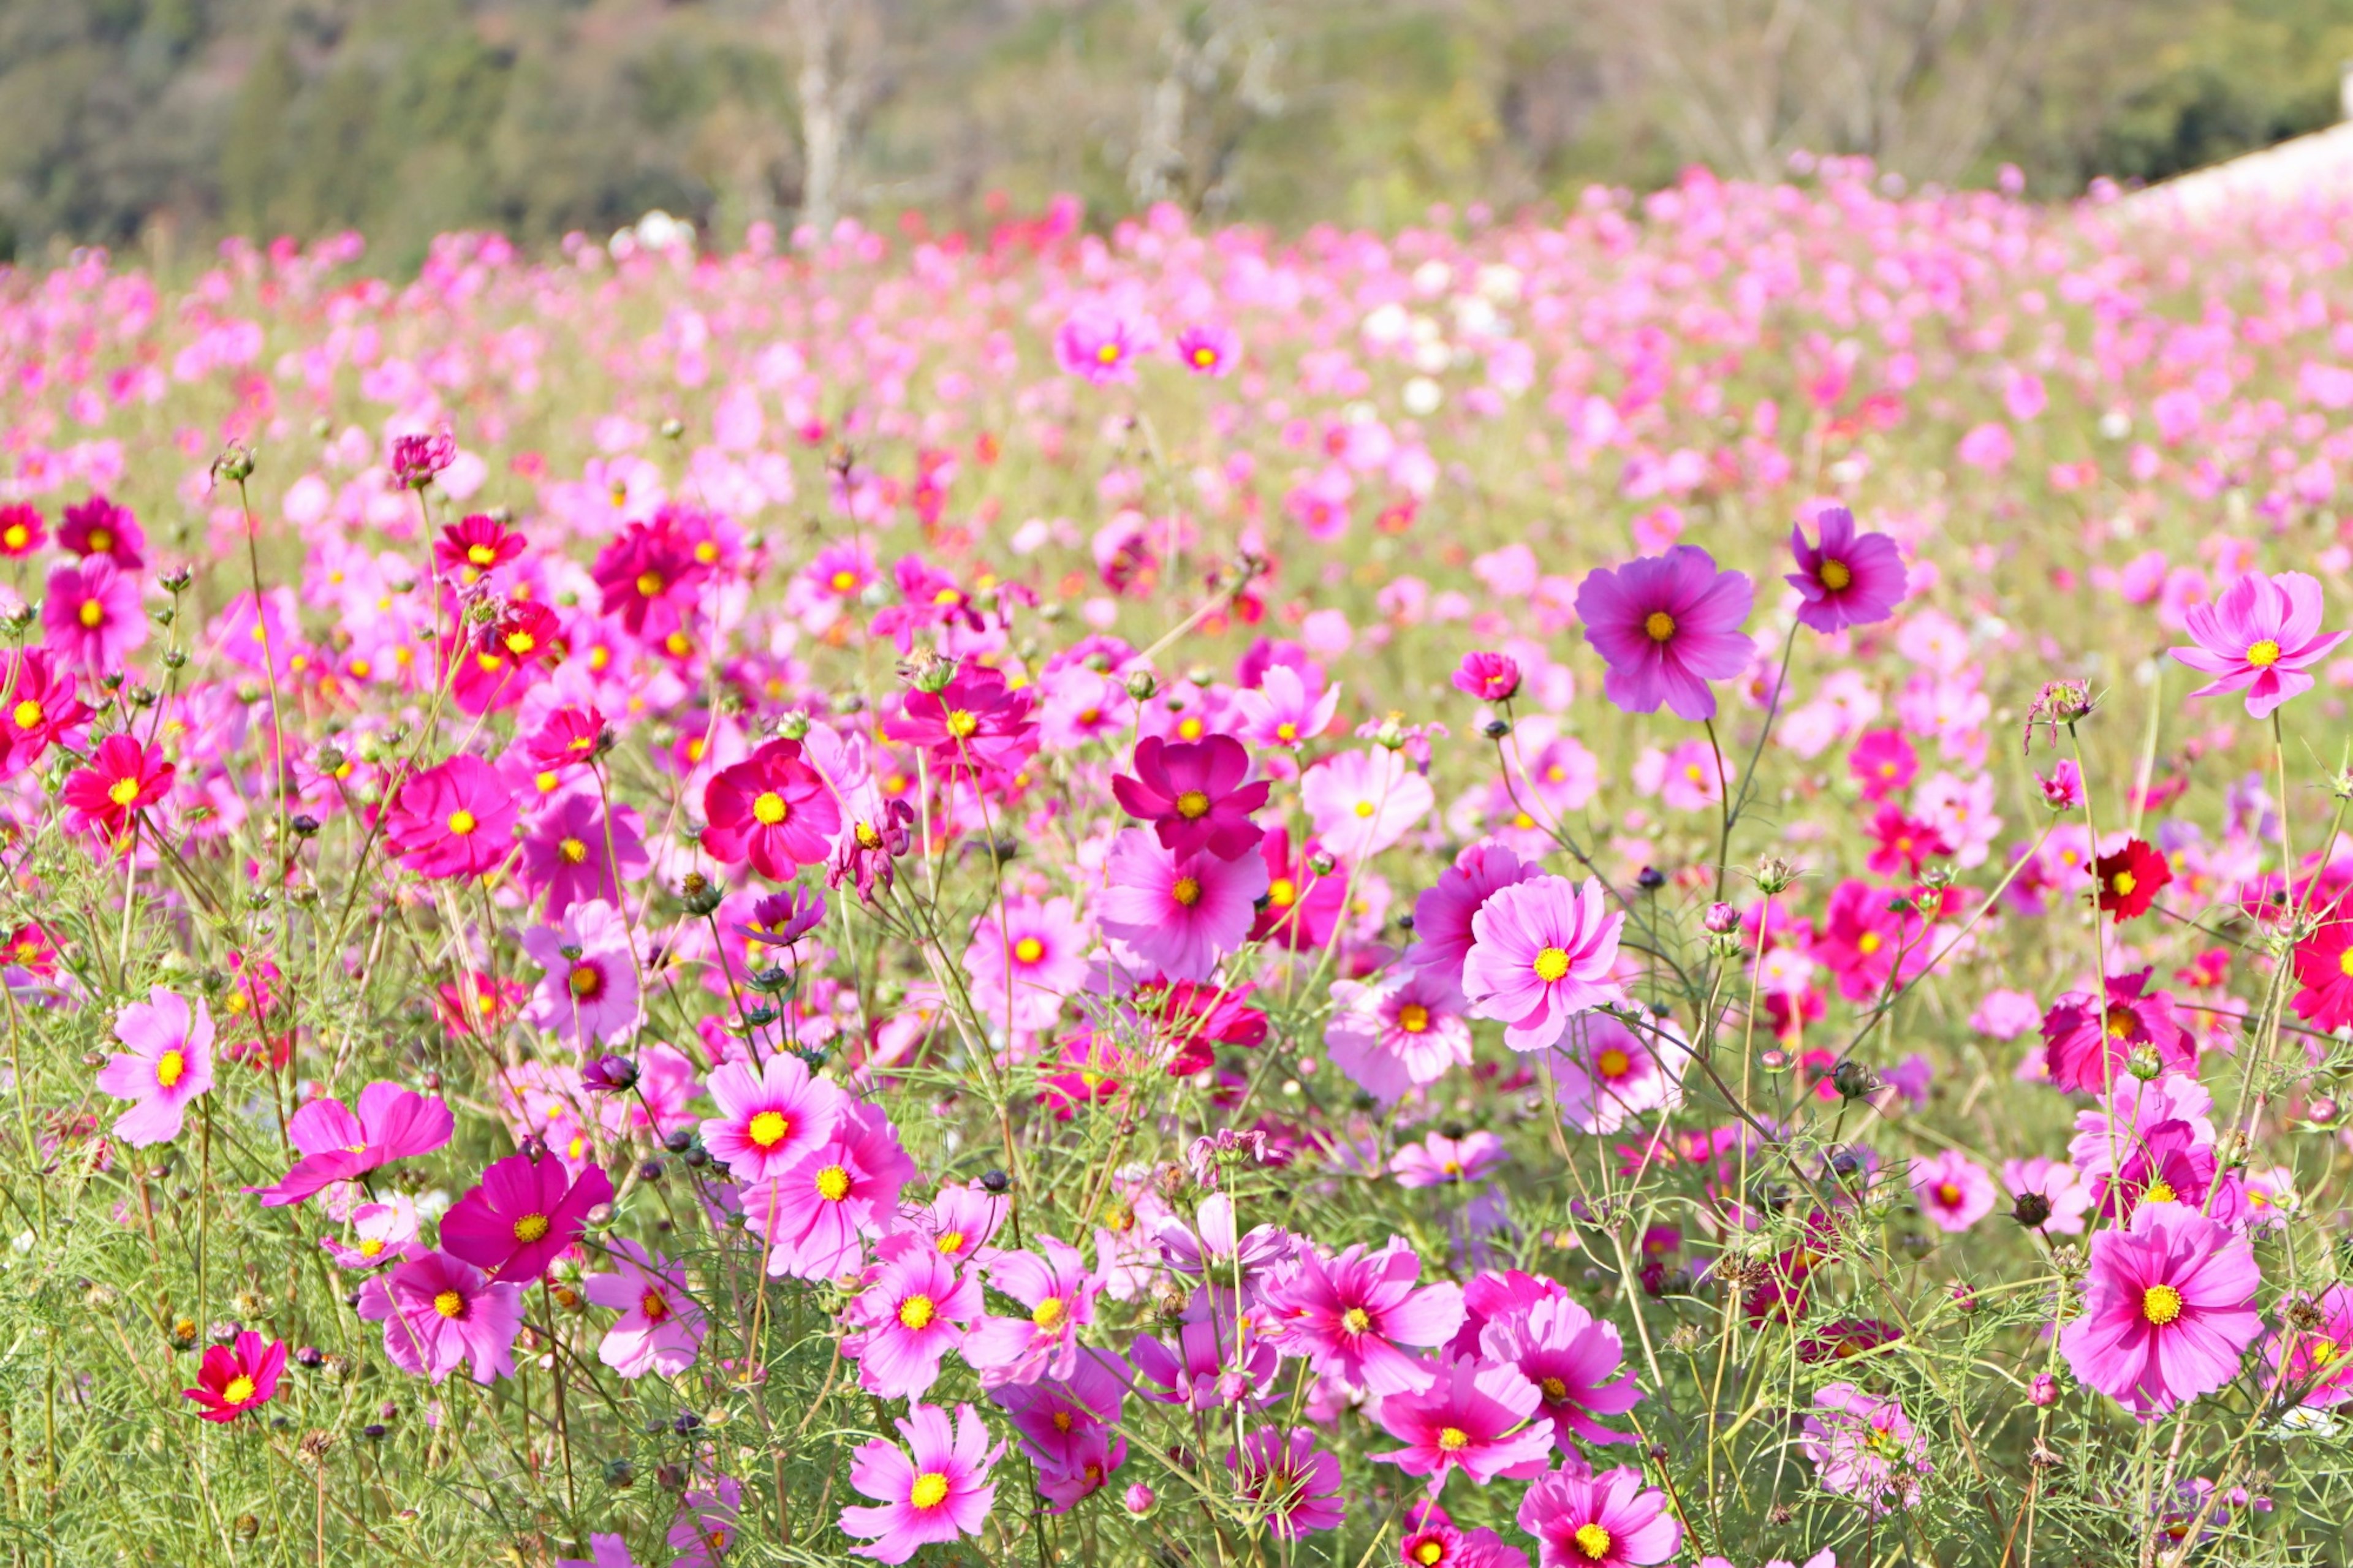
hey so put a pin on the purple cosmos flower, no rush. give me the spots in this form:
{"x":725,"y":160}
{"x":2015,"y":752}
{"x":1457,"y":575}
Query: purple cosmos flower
{"x":1194,"y":795}
{"x":521,"y":1214}
{"x":168,"y":1063}
{"x":1438,"y":1160}
{"x":1666,"y":626}
{"x":1349,"y":1314}
{"x":439,"y":1311}
{"x":2168,"y":1307}
{"x":2262,"y":636}
{"x":1541,"y":953}
{"x":393,"y":1123}
{"x":1849,"y":579}
{"x":564,"y":854}
{"x":1863,"y":1447}
{"x":935,"y":1489}
{"x":661,"y":1329}
{"x":1292,"y":1481}
{"x":1203,"y":1370}
{"x":782,"y":919}
{"x":1472,"y":1418}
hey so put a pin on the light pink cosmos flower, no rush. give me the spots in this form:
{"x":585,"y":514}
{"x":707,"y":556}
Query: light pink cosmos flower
{"x":1438,"y":1160}
{"x":815,"y":1218}
{"x":1607,"y":1520}
{"x":915,"y":1312}
{"x":1604,"y":1073}
{"x":1061,"y":1295}
{"x":2169,"y":1307}
{"x":932,"y":1491}
{"x":1098,"y":344}
{"x":92,"y":615}
{"x":1541,"y":953}
{"x":1953,"y":1190}
{"x":587,"y":991}
{"x":168,"y":1063}
{"x":381,"y":1234}
{"x":439,"y":1312}
{"x":1863,"y":1447}
{"x":1178,"y":915}
{"x":1280,"y":712}
{"x":1474,"y":1418}
{"x":2318,"y":1366}
{"x":661,"y":1329}
{"x":1349,"y":1314}
{"x":710,"y":1522}
{"x":1026,"y":957}
{"x":769,"y":1122}
{"x":1397,"y":1032}
{"x":392,"y":1123}
{"x":1363,"y":801}
{"x":1442,"y":914}
{"x":2262,"y":636}
{"x":1207,"y":348}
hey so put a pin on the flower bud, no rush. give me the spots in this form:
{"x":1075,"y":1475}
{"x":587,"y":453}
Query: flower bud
{"x":1852,"y":1080}
{"x":1773,"y":876}
{"x":2043,"y":1390}
{"x":1139,"y":1500}
{"x":2144,"y":1063}
{"x":1141,"y":685}
{"x":1721,"y":919}
{"x":2031,"y":1210}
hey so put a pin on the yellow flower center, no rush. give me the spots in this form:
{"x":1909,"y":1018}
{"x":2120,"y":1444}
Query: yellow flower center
{"x":1429,"y":1553}
{"x":1593,"y":1541}
{"x":101,"y":540}
{"x":1029,"y":950}
{"x":868,"y":837}
{"x":648,"y":583}
{"x":833,"y":1183}
{"x":1193,"y":805}
{"x":2159,"y":1192}
{"x":521,"y":643}
{"x":122,"y":792}
{"x":461,"y":821}
{"x":1286,"y":732}
{"x":370,"y":1246}
{"x":1554,"y":1389}
{"x":1614,"y":1063}
{"x":843,"y":582}
{"x":951,"y":1242}
{"x":654,"y":1306}
{"x":584,"y":979}
{"x":2263,"y":655}
{"x":1107,"y":355}
{"x":1185,"y":890}
{"x":450,"y":1304}
{"x":1452,"y":1439}
{"x":574,"y":851}
{"x":1283,"y":892}
{"x":961,"y":724}
{"x":17,"y":536}
{"x":239,"y":1391}
{"x":769,"y":808}
{"x":1355,"y":1320}
{"x":169,"y":1067}
{"x":2122,"y":1022}
{"x":27,"y":714}
{"x":1869,"y":942}
{"x":1049,"y":1313}
{"x":481,"y":555}
{"x":531,"y":1227}
{"x":1413,"y":1018}
{"x":1365,"y":808}
{"x":2123,"y":882}
{"x":1659,"y":624}
{"x":915,"y":1312}
{"x":2321,"y":1351}
{"x":1836,"y":574}
{"x":92,"y":615}
{"x":2161,"y":1304}
{"x":931,"y":1489}
{"x":768,"y":1129}
{"x":1948,"y":1193}
{"x":2344,"y":962}
{"x":1551,"y":964}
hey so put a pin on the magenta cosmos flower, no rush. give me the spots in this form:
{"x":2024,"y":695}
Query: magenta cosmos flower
{"x":234,"y":1378}
{"x":1179,"y":914}
{"x":1666,"y":626}
{"x":439,"y":1312}
{"x":1489,"y":677}
{"x":660,"y":1330}
{"x":521,"y":1214}
{"x":92,"y":615}
{"x":772,"y":809}
{"x":1295,"y":1483}
{"x":1207,"y":348}
{"x":1574,"y":1360}
{"x":1541,"y":953}
{"x":915,"y":1310}
{"x":2318,"y":1366}
{"x":39,"y":707}
{"x":1098,"y":344}
{"x":124,"y":779}
{"x":2262,"y":636}
{"x":1349,"y":1314}
{"x":1474,"y":1418}
{"x":769,"y":1122}
{"x":1863,"y":1445}
{"x":930,"y":1492}
{"x":1193,"y":794}
{"x":1609,"y":1520}
{"x":1442,"y":914}
{"x":2085,"y":1047}
{"x":393,"y":1123}
{"x":2167,"y":1308}
{"x":167,"y":1063}
{"x":564,"y":853}
{"x":454,"y":820}
{"x":1954,"y":1190}
{"x":1849,"y":579}
{"x":1054,"y":1284}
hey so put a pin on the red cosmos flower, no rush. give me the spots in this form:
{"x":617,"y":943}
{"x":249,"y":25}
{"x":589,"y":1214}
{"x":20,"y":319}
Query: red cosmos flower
{"x":99,"y":527}
{"x":1193,"y":1019}
{"x":772,"y":809}
{"x":2324,"y":967}
{"x":1194,"y":795}
{"x":2131,"y":878}
{"x":21,"y":531}
{"x":454,"y":820}
{"x":122,"y":779}
{"x":235,"y":1378}
{"x":504,"y":658}
{"x":1861,"y":938}
{"x":976,"y":720}
{"x":1904,"y":843}
{"x":38,"y":706}
{"x":473,"y":545}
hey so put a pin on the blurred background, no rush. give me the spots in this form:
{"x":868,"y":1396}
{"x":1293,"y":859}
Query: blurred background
{"x":166,"y":123}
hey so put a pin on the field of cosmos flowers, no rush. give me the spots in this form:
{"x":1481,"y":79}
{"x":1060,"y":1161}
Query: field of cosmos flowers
{"x":1658,"y":885}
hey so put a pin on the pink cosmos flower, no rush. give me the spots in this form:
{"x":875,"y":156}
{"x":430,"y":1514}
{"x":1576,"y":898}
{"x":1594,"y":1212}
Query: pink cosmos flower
{"x":587,"y":991}
{"x":1098,"y":344}
{"x":1061,"y":1295}
{"x":521,"y":1214}
{"x":1294,"y":1482}
{"x":92,"y":617}
{"x":2262,"y":636}
{"x":1398,"y":1032}
{"x":237,"y":1377}
{"x":1953,"y":1190}
{"x":2063,"y":789}
{"x":439,"y":1312}
{"x":2169,"y":1307}
{"x":1666,"y":626}
{"x":1208,"y":348}
{"x":604,"y":1551}
{"x":934,"y":1490}
{"x":1203,"y":1370}
{"x":768,"y":1122}
{"x":1607,"y":1520}
{"x":1442,"y":914}
{"x":392,"y":1123}
{"x":772,"y":809}
{"x":1363,"y":801}
{"x":1178,"y":915}
{"x":1882,"y":763}
{"x":1863,"y":1447}
{"x":124,"y":779}
{"x":1848,"y":580}
{"x":915,"y":1312}
{"x":1604,"y":1073}
{"x":1489,"y":677}
{"x":2319,"y":1367}
{"x":1542,"y":951}
{"x":1194,"y":795}
{"x":960,"y":1222}
{"x":1025,"y":959}
{"x":1281,"y":710}
{"x":2085,"y":1047}
{"x":564,"y":853}
{"x":710,"y":1522}
{"x":661,"y":1329}
{"x":1575,"y":1362}
{"x":381,"y":1234}
{"x":168,"y":1063}
{"x":1438,"y":1160}
{"x":1060,"y":1418}
{"x":815,"y":1217}
{"x":1349,"y":1314}
{"x":978,"y":721}
{"x":1474,"y":1418}
{"x":453,"y":820}
{"x":97,"y":527}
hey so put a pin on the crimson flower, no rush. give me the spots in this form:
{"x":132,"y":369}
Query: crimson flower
{"x":122,"y":779}
{"x":234,"y":1378}
{"x":523,"y":1213}
{"x":2324,"y":967}
{"x":772,"y":809}
{"x":473,"y":545}
{"x":2131,"y":878}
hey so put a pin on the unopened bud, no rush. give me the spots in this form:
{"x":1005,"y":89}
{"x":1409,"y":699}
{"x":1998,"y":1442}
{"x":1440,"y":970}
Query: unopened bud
{"x":2144,"y":1063}
{"x":1721,"y":919}
{"x":1141,"y":685}
{"x":2043,"y":1390}
{"x":2031,"y":1210}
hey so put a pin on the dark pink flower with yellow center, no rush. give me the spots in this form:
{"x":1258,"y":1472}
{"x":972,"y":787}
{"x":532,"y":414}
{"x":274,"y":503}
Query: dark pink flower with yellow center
{"x":22,"y":530}
{"x":772,"y":810}
{"x":770,"y":1119}
{"x":337,"y":1145}
{"x":574,"y":851}
{"x":456,"y":819}
{"x":39,"y":707}
{"x":523,"y":1213}
{"x":1194,"y":796}
{"x":1350,"y":1314}
{"x":124,"y":779}
{"x":92,"y":616}
{"x":99,"y":528}
{"x":1607,"y":1520}
{"x":1208,"y":348}
{"x":2086,"y":1045}
{"x":1849,"y":579}
{"x":934,"y":1490}
{"x":474,"y":545}
{"x":1665,"y":625}
{"x":440,"y":1313}
{"x":1058,"y":1297}
{"x":977,"y":721}
{"x":237,"y":1377}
